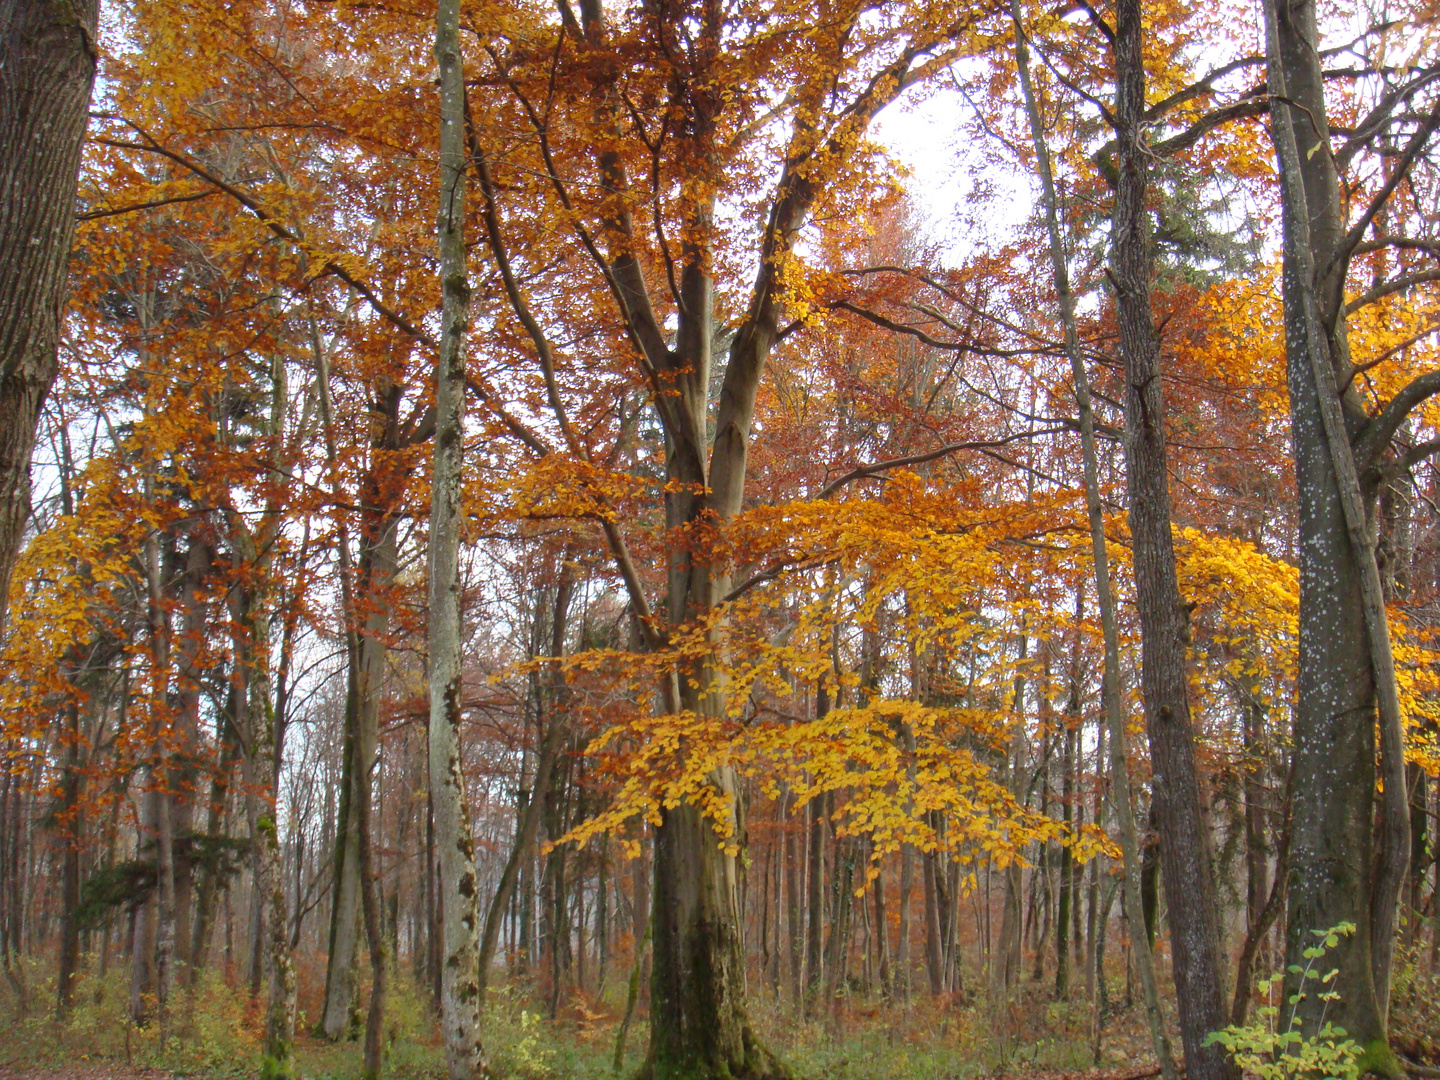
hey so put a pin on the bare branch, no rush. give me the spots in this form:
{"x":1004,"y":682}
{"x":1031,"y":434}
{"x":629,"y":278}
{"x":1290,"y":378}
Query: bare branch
{"x":1375,"y":436}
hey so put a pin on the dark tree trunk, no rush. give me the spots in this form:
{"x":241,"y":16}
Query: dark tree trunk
{"x":71,"y":838}
{"x":793,"y":925}
{"x":934,"y":958}
{"x":882,"y":935}
{"x":1197,"y":961}
{"x":47,"y":67}
{"x":815,"y":886}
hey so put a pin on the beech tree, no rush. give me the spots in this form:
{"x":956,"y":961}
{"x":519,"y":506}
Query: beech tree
{"x":1347,"y":686}
{"x":798,"y":548}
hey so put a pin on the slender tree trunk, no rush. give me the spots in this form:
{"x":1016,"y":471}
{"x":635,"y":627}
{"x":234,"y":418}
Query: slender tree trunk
{"x":278,"y":1062}
{"x":378,"y":563}
{"x":1092,"y":904}
{"x":374,"y":934}
{"x":460,"y":989}
{"x":1114,"y":714}
{"x":50,"y":54}
{"x":934,"y":958}
{"x":1067,"y":891}
{"x":159,"y":627}
{"x":841,"y":910}
{"x":210,"y":882}
{"x":882,"y":936}
{"x":795,"y":933}
{"x":529,"y":822}
{"x":902,"y":946}
{"x":1196,"y":957}
{"x":71,"y":837}
{"x":815,"y":885}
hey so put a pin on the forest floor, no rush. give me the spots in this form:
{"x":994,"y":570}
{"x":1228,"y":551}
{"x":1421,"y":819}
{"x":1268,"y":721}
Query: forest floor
{"x":216,"y":1036}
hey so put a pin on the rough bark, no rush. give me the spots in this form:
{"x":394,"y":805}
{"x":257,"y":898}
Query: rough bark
{"x":460,"y":991}
{"x":1110,"y":687}
{"x":1196,"y":958}
{"x":47,"y":68}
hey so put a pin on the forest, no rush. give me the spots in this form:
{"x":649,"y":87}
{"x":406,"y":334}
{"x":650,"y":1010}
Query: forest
{"x":698,"y":539}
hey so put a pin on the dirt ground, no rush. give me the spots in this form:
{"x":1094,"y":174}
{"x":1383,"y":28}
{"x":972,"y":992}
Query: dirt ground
{"x":80,"y":1070}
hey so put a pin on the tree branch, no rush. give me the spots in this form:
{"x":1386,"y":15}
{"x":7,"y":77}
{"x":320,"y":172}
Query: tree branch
{"x":1375,"y":436}
{"x":1389,"y":288}
{"x":863,"y":471}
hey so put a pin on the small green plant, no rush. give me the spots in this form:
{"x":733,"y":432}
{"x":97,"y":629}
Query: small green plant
{"x":1273,"y":1052}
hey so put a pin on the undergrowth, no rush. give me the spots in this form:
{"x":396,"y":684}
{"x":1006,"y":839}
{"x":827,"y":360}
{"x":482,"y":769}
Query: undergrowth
{"x":215,"y":1035}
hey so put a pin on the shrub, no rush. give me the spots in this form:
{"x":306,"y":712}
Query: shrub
{"x":1274,"y":1052}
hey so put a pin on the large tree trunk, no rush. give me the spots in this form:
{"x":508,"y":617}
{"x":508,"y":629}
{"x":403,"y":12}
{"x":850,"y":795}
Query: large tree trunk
{"x":1343,"y":634}
{"x":47,"y":67}
{"x":698,"y":1025}
{"x":459,"y":987}
{"x":1196,"y":958}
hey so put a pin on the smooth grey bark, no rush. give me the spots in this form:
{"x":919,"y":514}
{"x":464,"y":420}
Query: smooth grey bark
{"x":278,"y":967}
{"x":47,"y":68}
{"x":815,"y":892}
{"x":159,"y":630}
{"x":374,"y":933}
{"x":1346,"y":674}
{"x":793,"y":924}
{"x":459,"y":986}
{"x":1121,"y":796}
{"x":186,"y":770}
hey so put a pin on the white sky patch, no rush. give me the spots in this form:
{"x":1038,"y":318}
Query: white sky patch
{"x":930,"y":136}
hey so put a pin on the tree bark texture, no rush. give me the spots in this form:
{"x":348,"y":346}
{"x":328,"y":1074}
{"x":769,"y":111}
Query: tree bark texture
{"x":1346,"y":674}
{"x":459,"y":987}
{"x":1115,"y":719}
{"x":47,"y":68}
{"x":1196,"y":959}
